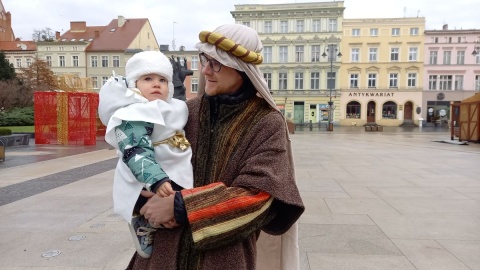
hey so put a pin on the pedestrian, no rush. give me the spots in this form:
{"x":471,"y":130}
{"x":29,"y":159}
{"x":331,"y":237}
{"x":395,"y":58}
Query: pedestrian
{"x":244,"y":181}
{"x":145,"y":124}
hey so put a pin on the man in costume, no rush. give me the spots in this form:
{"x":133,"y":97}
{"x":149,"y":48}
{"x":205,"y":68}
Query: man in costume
{"x":244,"y":180}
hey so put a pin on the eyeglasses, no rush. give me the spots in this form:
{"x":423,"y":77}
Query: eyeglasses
{"x":214,"y":64}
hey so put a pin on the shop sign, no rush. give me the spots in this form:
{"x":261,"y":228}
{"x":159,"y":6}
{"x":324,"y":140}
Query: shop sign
{"x":377,"y":94}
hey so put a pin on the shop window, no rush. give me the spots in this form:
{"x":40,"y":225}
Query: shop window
{"x":389,"y":110}
{"x":353,"y":109}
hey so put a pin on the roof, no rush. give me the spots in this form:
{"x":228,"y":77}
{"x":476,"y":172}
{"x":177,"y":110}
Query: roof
{"x":87,"y":35}
{"x":114,"y":38}
{"x":475,"y":98}
{"x":17,"y":46}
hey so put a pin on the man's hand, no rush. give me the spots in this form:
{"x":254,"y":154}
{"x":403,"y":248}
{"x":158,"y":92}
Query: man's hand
{"x":159,"y":211}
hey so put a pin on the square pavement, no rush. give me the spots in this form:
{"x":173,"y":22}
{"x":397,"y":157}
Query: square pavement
{"x":386,"y":200}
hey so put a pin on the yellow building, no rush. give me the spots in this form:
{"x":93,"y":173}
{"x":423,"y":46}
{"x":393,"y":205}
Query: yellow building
{"x":294,"y":37}
{"x":382,"y":71}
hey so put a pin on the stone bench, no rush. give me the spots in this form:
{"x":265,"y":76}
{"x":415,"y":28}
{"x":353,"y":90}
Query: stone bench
{"x":15,"y":139}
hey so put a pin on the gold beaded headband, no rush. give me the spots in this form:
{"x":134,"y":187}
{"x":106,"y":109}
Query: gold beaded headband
{"x":230,"y":46}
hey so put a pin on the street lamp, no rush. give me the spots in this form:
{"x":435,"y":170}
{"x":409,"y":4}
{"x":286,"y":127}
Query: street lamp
{"x":332,"y":50}
{"x":476,"y":49}
{"x":475,"y":53}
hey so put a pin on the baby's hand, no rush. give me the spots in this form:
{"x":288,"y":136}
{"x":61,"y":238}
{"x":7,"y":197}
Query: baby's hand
{"x":165,"y":190}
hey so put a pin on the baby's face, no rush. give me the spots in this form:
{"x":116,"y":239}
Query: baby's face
{"x":153,"y":86}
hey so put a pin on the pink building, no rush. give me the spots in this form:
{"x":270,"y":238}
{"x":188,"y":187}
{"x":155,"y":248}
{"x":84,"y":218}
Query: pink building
{"x":452,"y":72}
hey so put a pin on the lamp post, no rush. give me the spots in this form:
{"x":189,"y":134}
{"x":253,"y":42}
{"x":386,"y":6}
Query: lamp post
{"x":333,"y":53}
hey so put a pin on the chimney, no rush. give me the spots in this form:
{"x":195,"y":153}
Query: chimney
{"x":445,"y":27}
{"x":78,"y":26}
{"x":97,"y":33}
{"x":57,"y":35}
{"x":121,"y":21}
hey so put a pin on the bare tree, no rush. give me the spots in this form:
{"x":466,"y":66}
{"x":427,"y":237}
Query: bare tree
{"x":45,"y":34}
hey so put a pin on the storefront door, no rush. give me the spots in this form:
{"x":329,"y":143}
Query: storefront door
{"x":371,"y":112}
{"x":408,"y":111}
{"x":298,"y":112}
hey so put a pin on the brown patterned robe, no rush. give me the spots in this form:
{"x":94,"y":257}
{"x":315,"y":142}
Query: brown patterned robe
{"x":247,"y":152}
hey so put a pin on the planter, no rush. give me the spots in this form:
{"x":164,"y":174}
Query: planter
{"x":2,"y":151}
{"x":291,"y":127}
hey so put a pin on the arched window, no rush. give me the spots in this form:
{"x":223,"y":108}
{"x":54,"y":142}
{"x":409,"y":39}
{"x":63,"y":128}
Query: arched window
{"x":353,"y":109}
{"x":389,"y":110}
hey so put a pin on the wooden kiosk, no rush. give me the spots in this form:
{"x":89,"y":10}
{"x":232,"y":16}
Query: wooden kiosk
{"x":465,"y":118}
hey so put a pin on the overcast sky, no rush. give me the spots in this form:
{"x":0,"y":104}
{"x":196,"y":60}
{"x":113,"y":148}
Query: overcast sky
{"x":193,"y":16}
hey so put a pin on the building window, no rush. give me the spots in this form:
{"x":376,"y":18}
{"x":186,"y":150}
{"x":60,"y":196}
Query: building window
{"x":315,"y":25}
{"x":19,"y":62}
{"x":433,"y":57}
{"x":373,"y":32}
{"x":447,"y":55}
{"x":75,"y":60}
{"x":353,"y":109}
{"x":194,"y":63}
{"x":315,"y":80}
{"x":372,"y":54}
{"x":394,"y":54}
{"x":353,"y":80}
{"x":299,"y":54}
{"x":412,"y":54}
{"x":389,"y":110}
{"x":298,"y":80}
{"x":331,"y":76}
{"x":268,"y":27}
{"x":93,"y":61}
{"x":460,"y":57}
{"x":432,"y":82}
{"x":104,"y":80}
{"x":94,"y":82}
{"x":75,"y":48}
{"x":116,"y":61}
{"x":355,"y":54}
{"x":61,"y":61}
{"x":300,"y":26}
{"x":315,"y":53}
{"x":332,"y":25}
{"x":283,"y":50}
{"x":393,"y":80}
{"x":477,"y":58}
{"x":414,"y":31}
{"x":445,"y":82}
{"x":105,"y":61}
{"x":29,"y":62}
{"x":47,"y":48}
{"x":48,"y":59}
{"x":246,"y":24}
{"x":267,"y":54}
{"x":283,"y":26}
{"x":372,"y":80}
{"x":412,"y":80}
{"x":458,"y":82}
{"x":282,"y":81}
{"x":268,"y":79}
{"x":395,"y":31}
{"x":194,"y":85}
{"x":477,"y":82}
{"x":61,"y":48}
{"x":356,"y":32}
